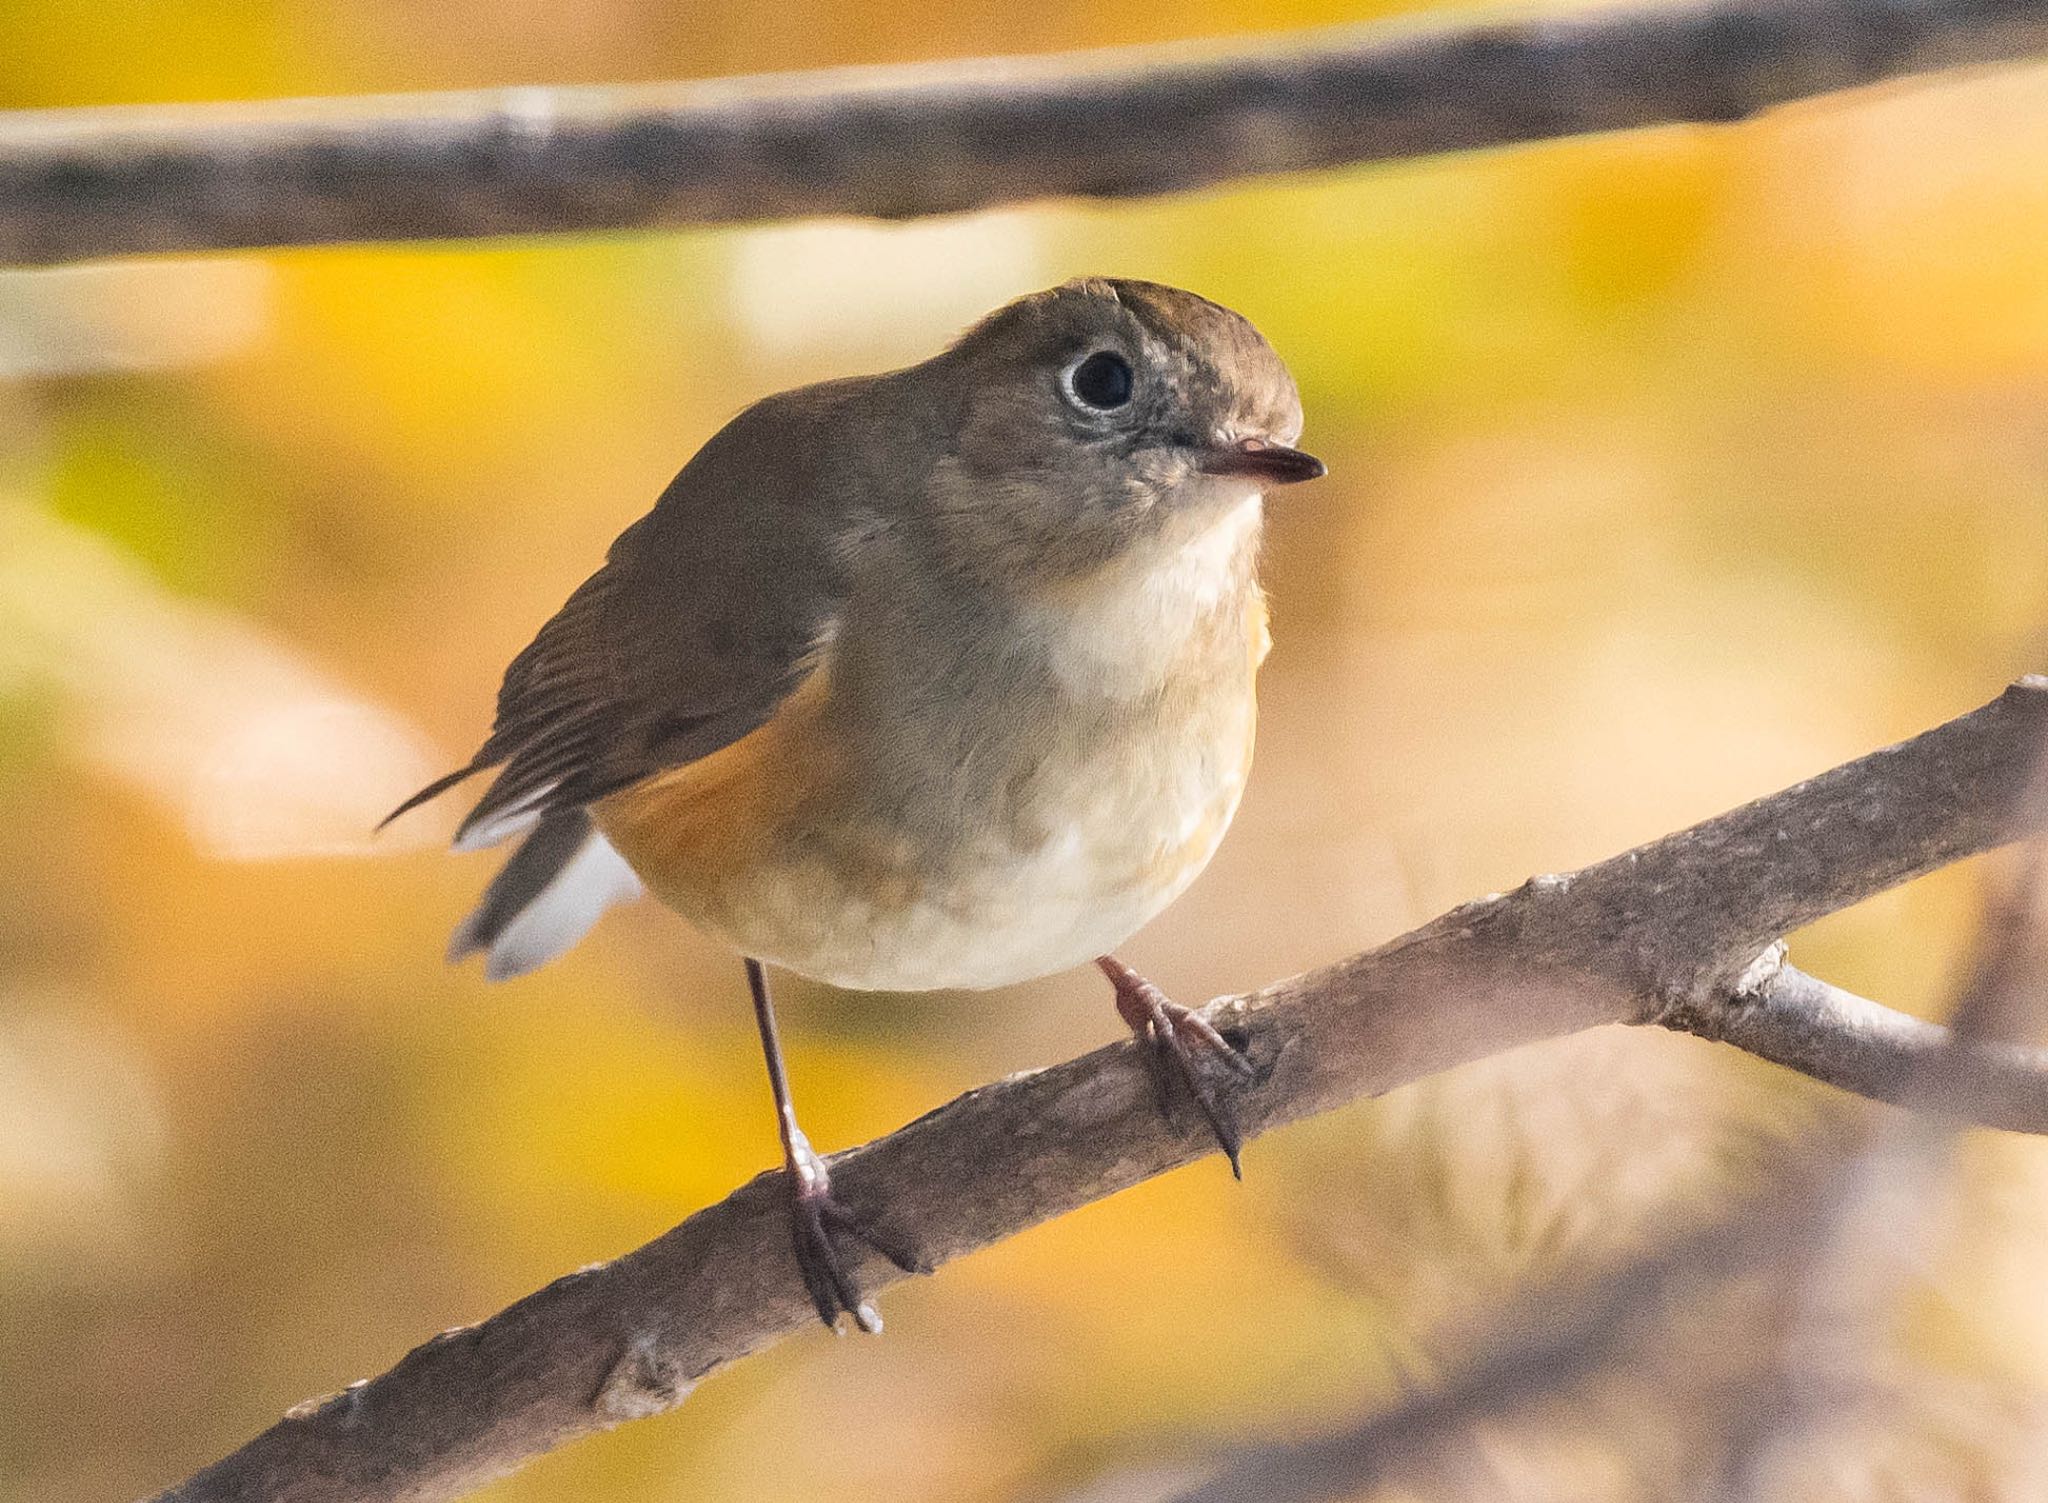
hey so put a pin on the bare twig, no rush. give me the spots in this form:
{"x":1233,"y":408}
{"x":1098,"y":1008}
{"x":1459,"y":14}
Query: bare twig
{"x":1816,"y":1233}
{"x":1878,"y":1209}
{"x":1544,"y":1341}
{"x":1795,"y":1020}
{"x":900,"y":142}
{"x":1670,"y":930}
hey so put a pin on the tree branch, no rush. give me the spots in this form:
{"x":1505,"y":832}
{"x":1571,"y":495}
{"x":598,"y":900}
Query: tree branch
{"x":1827,"y":1235}
{"x":1669,"y":932}
{"x":899,"y":142}
{"x":1795,"y":1020}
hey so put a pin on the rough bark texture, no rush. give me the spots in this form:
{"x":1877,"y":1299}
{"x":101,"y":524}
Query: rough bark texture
{"x":1681,"y":932}
{"x":76,"y":184}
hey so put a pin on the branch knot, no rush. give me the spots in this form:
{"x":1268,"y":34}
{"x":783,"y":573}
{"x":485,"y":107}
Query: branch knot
{"x":644,"y":1381}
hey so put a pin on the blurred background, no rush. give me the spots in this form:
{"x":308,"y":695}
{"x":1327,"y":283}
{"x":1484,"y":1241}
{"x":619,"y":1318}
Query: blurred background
{"x":1667,"y":469}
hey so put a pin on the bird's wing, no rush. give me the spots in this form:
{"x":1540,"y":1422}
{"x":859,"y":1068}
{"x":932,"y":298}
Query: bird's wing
{"x":707,"y":613}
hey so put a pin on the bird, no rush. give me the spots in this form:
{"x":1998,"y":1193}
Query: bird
{"x":941,"y":678}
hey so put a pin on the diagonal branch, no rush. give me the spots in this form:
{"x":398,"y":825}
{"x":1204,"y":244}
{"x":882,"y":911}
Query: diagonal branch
{"x":1796,"y":1020}
{"x":1825,"y":1237}
{"x":900,"y":142}
{"x":1669,"y":932}
{"x":1551,"y":1338}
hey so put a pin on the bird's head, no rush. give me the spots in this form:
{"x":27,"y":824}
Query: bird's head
{"x":1100,"y":417}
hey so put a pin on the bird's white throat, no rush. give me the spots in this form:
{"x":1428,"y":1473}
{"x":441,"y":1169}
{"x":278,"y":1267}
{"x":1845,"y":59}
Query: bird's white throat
{"x":1133,"y":620}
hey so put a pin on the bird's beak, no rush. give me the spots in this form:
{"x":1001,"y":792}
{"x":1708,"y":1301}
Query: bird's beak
{"x":1270,"y":464}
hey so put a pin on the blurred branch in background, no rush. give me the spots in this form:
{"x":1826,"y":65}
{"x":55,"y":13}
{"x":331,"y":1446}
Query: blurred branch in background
{"x":897,"y":143}
{"x":1682,"y":931}
{"x":1548,"y":1340}
{"x":1832,"y":1240}
{"x":1875,"y":1214}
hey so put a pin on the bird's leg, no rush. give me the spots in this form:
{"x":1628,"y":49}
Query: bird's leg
{"x":1180,"y":1046}
{"x":817,"y":1217}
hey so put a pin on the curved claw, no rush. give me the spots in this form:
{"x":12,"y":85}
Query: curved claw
{"x":818,"y":1219}
{"x":1178,"y":1042}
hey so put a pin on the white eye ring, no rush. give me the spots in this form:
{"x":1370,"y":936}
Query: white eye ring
{"x":1100,"y":381}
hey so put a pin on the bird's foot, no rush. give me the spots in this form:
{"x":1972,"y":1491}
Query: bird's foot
{"x":1183,"y":1050}
{"x":819,"y":1222}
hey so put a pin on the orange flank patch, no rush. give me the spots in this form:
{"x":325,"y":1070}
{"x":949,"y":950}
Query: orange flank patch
{"x":684,"y":829}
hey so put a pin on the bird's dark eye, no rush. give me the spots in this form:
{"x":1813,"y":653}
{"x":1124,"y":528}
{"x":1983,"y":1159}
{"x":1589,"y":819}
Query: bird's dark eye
{"x":1102,"y":381}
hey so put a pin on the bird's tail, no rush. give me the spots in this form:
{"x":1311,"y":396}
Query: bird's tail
{"x":546,"y":897}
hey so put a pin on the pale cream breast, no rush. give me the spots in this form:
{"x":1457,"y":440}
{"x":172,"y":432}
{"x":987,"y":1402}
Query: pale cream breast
{"x":781,"y":846}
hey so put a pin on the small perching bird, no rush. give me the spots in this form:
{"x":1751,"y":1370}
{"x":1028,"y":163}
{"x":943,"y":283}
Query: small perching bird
{"x":941,"y":678}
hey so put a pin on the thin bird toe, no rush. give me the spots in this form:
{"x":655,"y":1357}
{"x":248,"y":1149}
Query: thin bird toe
{"x":1187,"y":1057}
{"x":818,"y":1221}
